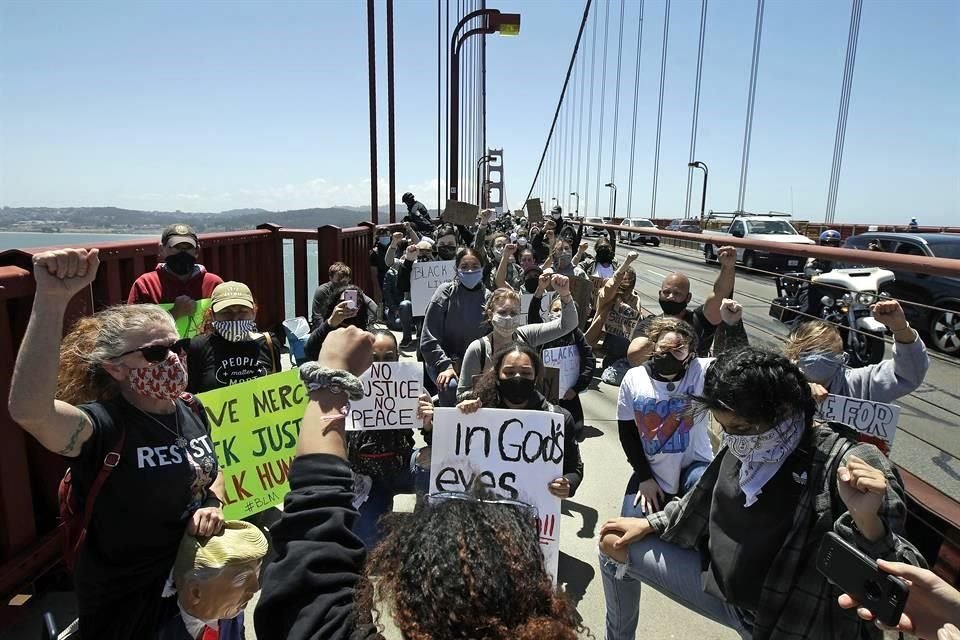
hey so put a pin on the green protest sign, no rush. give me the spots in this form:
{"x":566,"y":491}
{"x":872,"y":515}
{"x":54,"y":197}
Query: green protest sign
{"x":189,"y":326}
{"x":255,"y":426}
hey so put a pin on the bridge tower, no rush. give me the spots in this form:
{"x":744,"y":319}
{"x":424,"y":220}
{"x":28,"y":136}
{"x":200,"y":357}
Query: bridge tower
{"x":493,"y":193}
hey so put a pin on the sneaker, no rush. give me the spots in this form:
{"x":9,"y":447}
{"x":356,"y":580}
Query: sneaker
{"x":409,"y":344}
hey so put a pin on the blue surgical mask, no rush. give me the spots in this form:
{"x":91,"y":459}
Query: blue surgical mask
{"x":383,"y":240}
{"x":821,"y":367}
{"x":470,"y":279}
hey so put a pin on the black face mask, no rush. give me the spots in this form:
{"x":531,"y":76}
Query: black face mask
{"x":530,"y":284}
{"x":604,"y":256}
{"x":446,"y":253}
{"x":672,"y":307}
{"x":180,"y":263}
{"x":516,"y":389}
{"x":666,"y":364}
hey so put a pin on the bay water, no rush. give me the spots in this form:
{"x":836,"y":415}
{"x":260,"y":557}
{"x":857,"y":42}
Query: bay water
{"x":26,"y":240}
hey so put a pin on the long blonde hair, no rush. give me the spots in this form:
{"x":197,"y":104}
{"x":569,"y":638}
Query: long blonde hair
{"x":95,"y":339}
{"x":814,"y":335}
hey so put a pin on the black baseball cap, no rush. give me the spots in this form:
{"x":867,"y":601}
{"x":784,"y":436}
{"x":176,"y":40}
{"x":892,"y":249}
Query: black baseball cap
{"x":177,"y":234}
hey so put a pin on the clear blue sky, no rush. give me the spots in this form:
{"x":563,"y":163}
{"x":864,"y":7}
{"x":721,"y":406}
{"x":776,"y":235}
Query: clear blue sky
{"x":205,"y":106}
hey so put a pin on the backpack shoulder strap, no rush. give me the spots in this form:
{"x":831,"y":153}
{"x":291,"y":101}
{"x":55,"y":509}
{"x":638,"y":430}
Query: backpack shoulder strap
{"x":274,"y":357}
{"x":110,"y":462}
{"x":483,"y":355}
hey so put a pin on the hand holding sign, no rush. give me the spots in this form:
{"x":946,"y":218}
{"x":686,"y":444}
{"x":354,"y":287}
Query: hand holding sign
{"x":470,"y":406}
{"x":560,"y":487}
{"x":425,"y":411}
{"x":183,"y":306}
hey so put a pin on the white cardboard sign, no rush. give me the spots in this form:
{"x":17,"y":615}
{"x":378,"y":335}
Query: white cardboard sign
{"x":874,"y":419}
{"x":567,"y":360}
{"x":425,"y":277}
{"x":545,"y":303}
{"x":512,"y":454}
{"x":390,"y":393}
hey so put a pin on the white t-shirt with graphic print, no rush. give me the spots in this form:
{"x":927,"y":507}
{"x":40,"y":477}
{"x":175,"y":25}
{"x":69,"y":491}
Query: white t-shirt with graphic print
{"x":672,"y":438}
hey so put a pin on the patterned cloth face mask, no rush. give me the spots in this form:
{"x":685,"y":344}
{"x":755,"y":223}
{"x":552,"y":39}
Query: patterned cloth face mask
{"x":164,"y":381}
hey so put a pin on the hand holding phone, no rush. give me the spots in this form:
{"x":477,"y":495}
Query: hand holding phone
{"x":350,"y":296}
{"x":859,"y":576}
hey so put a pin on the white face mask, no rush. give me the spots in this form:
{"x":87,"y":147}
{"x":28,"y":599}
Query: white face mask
{"x":503,"y":324}
{"x":235,"y":330}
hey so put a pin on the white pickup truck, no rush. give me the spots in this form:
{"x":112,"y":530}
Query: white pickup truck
{"x":770,"y":228}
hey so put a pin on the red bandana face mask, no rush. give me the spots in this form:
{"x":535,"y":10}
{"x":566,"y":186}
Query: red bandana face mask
{"x":165,"y":380}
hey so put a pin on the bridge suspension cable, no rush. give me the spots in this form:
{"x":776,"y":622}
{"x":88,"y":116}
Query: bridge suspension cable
{"x":696,"y":105}
{"x":563,"y":91}
{"x":663,"y":74}
{"x":751,"y":96}
{"x":616,"y":112}
{"x":841,"y":132}
{"x":582,"y":74}
{"x":636,"y":99}
{"x":593,"y":72}
{"x":603,"y":96}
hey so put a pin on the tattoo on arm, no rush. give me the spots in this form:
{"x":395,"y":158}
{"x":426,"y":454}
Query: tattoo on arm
{"x":72,"y":443}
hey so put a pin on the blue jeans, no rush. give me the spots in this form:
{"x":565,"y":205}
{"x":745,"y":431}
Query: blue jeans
{"x":402,"y":317}
{"x":379,"y":502}
{"x":448,"y":396}
{"x":688,"y":478}
{"x":671,"y":570}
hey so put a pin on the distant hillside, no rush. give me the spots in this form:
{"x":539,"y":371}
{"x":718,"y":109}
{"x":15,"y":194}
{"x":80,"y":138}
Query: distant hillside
{"x":117,"y":220}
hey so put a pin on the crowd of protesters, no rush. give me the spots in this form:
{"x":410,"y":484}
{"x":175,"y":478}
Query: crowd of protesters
{"x":729,"y":531}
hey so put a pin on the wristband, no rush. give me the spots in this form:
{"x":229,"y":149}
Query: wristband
{"x":318,"y":378}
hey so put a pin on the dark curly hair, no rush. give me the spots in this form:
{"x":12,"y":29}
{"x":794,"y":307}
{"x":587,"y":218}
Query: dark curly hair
{"x":486,"y":387}
{"x":465,"y":569}
{"x":760,"y":386}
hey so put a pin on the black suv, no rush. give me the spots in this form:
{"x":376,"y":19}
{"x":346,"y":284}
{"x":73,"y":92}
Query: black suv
{"x":943,"y":324}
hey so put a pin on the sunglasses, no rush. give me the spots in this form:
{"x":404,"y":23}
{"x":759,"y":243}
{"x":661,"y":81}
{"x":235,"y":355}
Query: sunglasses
{"x":159,"y":352}
{"x":443,"y":496}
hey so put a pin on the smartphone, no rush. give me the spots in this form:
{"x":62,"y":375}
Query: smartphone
{"x":350,"y":295}
{"x":859,"y":576}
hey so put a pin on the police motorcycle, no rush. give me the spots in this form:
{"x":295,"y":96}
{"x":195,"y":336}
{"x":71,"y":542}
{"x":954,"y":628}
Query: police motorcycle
{"x":840,"y":296}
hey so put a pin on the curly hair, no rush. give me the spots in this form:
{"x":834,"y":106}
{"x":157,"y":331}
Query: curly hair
{"x":95,"y":339}
{"x":486,"y":387}
{"x":762,"y":387}
{"x":662,"y":325}
{"x":465,"y":569}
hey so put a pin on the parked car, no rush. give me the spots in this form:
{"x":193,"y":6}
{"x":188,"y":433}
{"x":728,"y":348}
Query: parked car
{"x":942,"y":324}
{"x":594,"y":231}
{"x":636,"y":234}
{"x":687,"y":225}
{"x":770,"y":228}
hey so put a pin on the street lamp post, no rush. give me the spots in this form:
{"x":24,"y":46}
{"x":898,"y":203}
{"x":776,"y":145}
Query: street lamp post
{"x":493,"y":22}
{"x":576,"y":209}
{"x":614,"y":187}
{"x":703,"y":198}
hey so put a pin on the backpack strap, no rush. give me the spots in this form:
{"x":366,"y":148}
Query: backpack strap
{"x":274,"y":357}
{"x":110,"y":462}
{"x":483,"y":355}
{"x":194,"y":405}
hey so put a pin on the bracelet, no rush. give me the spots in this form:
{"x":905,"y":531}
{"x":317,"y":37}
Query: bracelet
{"x":318,"y":378}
